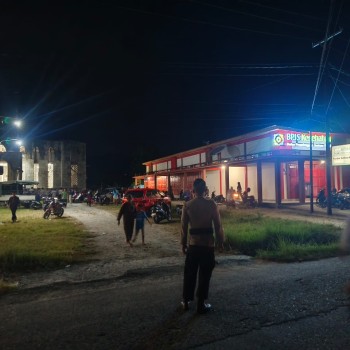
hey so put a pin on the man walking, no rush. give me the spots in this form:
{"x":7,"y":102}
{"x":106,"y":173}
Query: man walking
{"x":127,"y":211}
{"x":201,"y":214}
{"x":13,"y":203}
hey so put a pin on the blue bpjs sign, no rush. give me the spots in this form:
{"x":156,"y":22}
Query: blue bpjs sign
{"x":299,"y":140}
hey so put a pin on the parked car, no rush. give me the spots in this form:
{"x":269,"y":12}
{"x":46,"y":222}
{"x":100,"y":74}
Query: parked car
{"x":147,"y":196}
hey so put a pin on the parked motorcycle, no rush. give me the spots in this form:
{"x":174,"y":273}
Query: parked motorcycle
{"x":102,"y":199}
{"x":217,"y":198}
{"x":339,"y":200}
{"x":54,"y":208}
{"x":48,"y":200}
{"x":79,"y":197}
{"x":36,"y":205}
{"x":247,"y":201}
{"x":161,"y":211}
{"x":344,"y":198}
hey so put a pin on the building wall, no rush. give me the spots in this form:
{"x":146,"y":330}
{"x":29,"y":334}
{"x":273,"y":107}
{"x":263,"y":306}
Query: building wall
{"x":13,"y":167}
{"x":237,"y":174}
{"x":270,"y":146}
{"x":252,"y":179}
{"x":213,"y":181}
{"x":63,"y":155}
{"x":268,"y":181}
{"x":260,"y":145}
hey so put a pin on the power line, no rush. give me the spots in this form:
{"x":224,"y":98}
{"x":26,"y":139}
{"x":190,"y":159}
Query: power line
{"x":240,"y":75}
{"x":322,"y":65}
{"x":238,"y":66}
{"x":250,"y":14}
{"x":280,"y":10}
{"x":222,"y":26}
{"x":335,"y":83}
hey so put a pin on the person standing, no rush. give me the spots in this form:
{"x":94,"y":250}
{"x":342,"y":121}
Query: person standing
{"x":239,"y":189}
{"x":140,"y":216}
{"x":201,"y":214}
{"x":115,"y":196}
{"x":64,"y":196}
{"x":13,"y":203}
{"x":127,"y":211}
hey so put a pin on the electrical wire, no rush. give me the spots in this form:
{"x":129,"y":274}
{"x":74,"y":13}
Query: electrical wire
{"x":222,"y":26}
{"x":250,"y":14}
{"x":335,"y":81}
{"x":322,"y":65}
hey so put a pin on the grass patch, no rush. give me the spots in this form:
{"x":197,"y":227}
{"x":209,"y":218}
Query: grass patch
{"x":35,"y":243}
{"x":279,"y":239}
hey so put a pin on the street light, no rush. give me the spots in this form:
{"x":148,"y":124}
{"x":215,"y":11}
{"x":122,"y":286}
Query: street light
{"x":17,"y":123}
{"x":8,"y":121}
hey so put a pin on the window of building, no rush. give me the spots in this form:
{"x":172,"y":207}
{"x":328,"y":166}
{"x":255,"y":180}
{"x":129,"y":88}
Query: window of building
{"x":3,"y":171}
{"x":74,"y":175}
{"x":50,"y":175}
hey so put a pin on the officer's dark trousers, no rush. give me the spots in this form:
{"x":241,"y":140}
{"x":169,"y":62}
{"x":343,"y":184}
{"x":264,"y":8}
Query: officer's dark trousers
{"x":201,"y":261}
{"x":13,"y":211}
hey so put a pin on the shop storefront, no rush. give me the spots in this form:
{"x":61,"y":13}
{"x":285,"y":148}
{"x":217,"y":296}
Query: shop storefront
{"x":274,"y":162}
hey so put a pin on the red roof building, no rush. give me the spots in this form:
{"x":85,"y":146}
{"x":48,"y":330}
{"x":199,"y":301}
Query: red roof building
{"x":274,"y":162}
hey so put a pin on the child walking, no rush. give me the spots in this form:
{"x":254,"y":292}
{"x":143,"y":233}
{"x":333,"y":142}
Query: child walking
{"x":141,"y":216}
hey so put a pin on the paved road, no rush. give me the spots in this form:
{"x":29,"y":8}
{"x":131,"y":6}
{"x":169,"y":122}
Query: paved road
{"x":256,"y":306}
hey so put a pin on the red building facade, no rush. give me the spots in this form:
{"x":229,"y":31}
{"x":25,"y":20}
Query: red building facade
{"x":274,"y":162}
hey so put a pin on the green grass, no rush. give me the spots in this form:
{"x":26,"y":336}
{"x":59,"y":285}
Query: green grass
{"x":278,"y":239}
{"x":35,"y":243}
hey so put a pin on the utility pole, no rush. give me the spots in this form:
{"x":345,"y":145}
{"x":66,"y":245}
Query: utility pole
{"x":311,"y":176}
{"x":328,"y":144}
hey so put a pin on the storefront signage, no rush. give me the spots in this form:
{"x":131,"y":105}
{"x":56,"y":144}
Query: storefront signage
{"x":341,"y":155}
{"x":299,"y":140}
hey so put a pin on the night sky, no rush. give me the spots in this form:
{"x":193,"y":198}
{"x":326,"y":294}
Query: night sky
{"x":138,"y":80}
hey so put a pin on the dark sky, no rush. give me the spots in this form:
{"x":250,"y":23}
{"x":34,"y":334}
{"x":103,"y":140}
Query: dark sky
{"x":137,"y":80}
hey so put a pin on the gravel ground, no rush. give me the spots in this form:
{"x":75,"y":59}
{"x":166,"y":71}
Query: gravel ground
{"x":115,"y":258}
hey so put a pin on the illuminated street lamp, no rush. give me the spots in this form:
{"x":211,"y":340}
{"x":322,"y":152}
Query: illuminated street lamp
{"x":8,"y":121}
{"x":17,"y":123}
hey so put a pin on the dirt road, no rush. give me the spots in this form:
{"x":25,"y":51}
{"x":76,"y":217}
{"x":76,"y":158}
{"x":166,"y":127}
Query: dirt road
{"x":113,"y":257}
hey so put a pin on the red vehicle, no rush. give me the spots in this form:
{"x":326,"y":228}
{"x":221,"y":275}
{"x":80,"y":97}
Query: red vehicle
{"x":147,"y":196}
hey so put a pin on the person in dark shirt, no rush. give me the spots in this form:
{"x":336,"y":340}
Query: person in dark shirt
{"x":13,"y":204}
{"x":127,"y":211}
